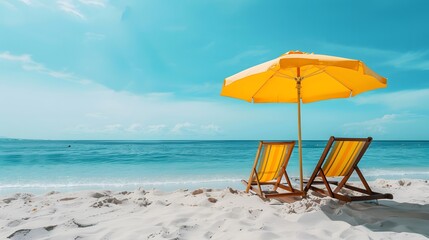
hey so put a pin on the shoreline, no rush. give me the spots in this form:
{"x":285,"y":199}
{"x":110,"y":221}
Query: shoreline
{"x":164,"y":186}
{"x":214,"y":214}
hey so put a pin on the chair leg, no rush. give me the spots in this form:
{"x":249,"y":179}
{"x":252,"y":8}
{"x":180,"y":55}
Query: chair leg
{"x":255,"y":163}
{"x":252,"y":188}
{"x":259,"y":185}
{"x":272,"y":195}
{"x":368,"y":195}
{"x":365,"y":183}
{"x":288,"y":181}
{"x":328,"y":187}
{"x":319,"y":164}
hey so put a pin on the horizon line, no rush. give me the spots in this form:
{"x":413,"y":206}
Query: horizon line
{"x":111,"y":140}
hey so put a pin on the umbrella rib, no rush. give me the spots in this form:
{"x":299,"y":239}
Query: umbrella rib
{"x":320,"y":70}
{"x":284,"y":75}
{"x":316,"y":72}
{"x":351,"y":91}
{"x":262,"y":85}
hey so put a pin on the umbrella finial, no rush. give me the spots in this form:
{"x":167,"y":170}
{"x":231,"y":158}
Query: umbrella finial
{"x":294,"y":52}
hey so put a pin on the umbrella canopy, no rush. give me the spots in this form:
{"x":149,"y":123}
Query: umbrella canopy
{"x":297,"y":76}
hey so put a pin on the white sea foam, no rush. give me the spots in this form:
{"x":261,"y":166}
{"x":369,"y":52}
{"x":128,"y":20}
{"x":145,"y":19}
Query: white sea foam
{"x":114,"y":184}
{"x":396,"y":173}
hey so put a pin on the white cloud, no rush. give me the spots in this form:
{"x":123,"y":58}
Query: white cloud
{"x":377,"y":125}
{"x":70,"y":8}
{"x":406,"y":99}
{"x":135,"y":127}
{"x":25,"y":58}
{"x":76,"y":8}
{"x":112,"y":127}
{"x":96,"y":112}
{"x":28,"y":64}
{"x":34,"y":106}
{"x":26,"y":2}
{"x":190,"y":128}
{"x":409,"y":60}
{"x":390,"y":126}
{"x":57,"y":74}
{"x":210,"y":129}
{"x":97,"y":3}
{"x":156,"y":128}
{"x":179,"y":128}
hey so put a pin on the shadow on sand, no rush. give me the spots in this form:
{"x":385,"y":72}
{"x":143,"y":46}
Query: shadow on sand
{"x":384,"y":216}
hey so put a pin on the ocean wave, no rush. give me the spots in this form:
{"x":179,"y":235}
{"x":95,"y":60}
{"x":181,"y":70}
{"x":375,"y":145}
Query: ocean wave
{"x":115,"y":184}
{"x":394,"y":173}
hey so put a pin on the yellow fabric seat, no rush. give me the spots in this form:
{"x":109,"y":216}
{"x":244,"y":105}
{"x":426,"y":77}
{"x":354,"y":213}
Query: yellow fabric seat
{"x":269,"y":167}
{"x":274,"y":157}
{"x":340,"y":159}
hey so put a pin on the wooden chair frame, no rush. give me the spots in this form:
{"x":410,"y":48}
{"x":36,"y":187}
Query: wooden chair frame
{"x":369,"y":194}
{"x":254,"y":179}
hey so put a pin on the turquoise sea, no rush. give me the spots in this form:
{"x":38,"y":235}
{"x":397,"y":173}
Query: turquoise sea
{"x":37,"y":166}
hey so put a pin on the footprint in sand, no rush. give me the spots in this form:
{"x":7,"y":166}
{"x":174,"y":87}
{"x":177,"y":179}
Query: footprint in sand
{"x":8,"y":200}
{"x":14,"y":223}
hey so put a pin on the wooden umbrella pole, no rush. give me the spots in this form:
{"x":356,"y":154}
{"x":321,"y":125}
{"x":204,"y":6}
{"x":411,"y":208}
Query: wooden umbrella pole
{"x":298,"y":88}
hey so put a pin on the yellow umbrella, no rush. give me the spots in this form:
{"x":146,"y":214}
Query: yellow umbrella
{"x":297,"y":76}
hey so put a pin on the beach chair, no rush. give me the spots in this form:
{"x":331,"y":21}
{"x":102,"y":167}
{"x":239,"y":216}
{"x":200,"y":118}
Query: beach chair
{"x":340,"y":159}
{"x":269,"y":168}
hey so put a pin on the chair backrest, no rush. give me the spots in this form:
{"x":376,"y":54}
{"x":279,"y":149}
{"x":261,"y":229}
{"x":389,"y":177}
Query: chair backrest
{"x":273,"y":158}
{"x":344,"y":155}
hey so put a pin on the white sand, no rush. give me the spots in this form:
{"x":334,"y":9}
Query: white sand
{"x":217,"y":214}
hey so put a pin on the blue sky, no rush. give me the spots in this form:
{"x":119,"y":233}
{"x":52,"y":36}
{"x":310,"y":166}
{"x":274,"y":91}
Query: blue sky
{"x":98,"y":69}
